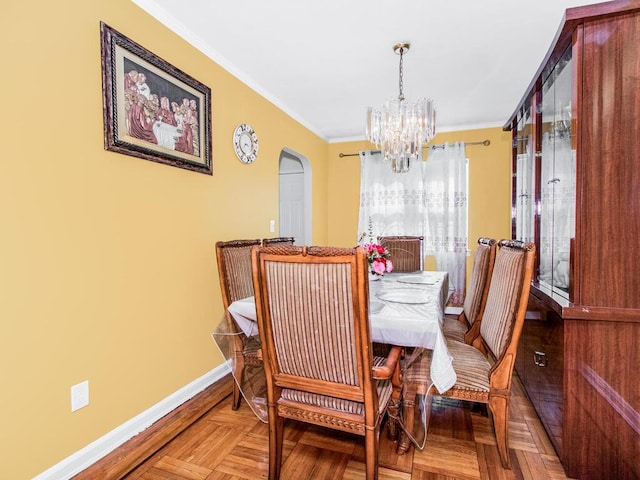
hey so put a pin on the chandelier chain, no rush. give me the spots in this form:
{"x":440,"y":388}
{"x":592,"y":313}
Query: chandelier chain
{"x":401,"y":96}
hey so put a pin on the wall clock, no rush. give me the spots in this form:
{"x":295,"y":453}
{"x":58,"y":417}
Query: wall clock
{"x":245,"y":143}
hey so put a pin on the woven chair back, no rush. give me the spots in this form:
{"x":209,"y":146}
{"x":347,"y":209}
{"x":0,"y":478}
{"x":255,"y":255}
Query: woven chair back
{"x":406,"y":252}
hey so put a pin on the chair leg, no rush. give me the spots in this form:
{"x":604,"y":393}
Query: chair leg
{"x":393,"y":410}
{"x":237,"y":396}
{"x":408,"y":414}
{"x":499,"y":406}
{"x":371,"y":438}
{"x":276,"y":437}
{"x":238,"y":376}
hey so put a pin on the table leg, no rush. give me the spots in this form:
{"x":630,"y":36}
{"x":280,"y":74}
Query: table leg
{"x":395,"y":404}
{"x":409,"y":395}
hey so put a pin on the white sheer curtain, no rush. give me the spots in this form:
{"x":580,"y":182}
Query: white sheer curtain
{"x":445,"y":183}
{"x":390,"y":203}
{"x":429,"y":200}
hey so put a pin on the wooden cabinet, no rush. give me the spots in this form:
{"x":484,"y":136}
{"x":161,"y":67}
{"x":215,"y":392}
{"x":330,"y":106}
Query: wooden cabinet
{"x":540,"y":366}
{"x":576,"y":194}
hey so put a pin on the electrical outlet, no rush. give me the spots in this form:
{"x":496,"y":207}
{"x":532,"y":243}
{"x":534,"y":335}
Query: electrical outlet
{"x":80,"y":395}
{"x":272,"y":226}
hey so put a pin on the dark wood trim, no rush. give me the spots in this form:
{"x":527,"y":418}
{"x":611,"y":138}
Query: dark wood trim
{"x":607,"y":314}
{"x":549,"y":298}
{"x":134,"y":452}
{"x":567,"y":309}
{"x":536,"y":109}
{"x":514,"y":169}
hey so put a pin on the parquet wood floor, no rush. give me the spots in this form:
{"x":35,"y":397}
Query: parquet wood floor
{"x":232,"y":445}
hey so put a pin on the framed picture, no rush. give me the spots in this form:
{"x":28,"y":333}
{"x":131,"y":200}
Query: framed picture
{"x":153,"y":110}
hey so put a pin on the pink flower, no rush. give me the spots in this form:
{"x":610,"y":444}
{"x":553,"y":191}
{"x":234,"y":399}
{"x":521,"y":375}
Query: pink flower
{"x":378,"y":258}
{"x":379,"y":266}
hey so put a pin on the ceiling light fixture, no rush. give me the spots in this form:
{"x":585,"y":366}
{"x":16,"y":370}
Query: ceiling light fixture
{"x":398,"y":129}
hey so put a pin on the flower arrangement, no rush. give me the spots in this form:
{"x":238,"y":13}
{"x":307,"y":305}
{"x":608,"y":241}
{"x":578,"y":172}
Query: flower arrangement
{"x":379,"y":259}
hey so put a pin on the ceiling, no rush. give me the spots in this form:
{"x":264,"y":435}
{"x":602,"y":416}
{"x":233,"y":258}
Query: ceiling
{"x":324,"y":62}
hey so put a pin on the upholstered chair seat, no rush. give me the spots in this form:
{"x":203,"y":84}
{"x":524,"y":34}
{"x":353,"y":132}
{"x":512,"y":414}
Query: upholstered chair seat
{"x":472,"y":371}
{"x":304,"y":400}
{"x":454,"y":329}
{"x":251,"y":348}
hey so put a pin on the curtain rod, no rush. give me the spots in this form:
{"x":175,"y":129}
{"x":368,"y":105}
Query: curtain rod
{"x":486,"y":143}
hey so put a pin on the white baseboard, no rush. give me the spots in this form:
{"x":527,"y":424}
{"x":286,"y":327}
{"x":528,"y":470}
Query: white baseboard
{"x":82,"y":459}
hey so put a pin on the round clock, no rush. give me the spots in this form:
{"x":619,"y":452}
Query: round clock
{"x":245,"y":143}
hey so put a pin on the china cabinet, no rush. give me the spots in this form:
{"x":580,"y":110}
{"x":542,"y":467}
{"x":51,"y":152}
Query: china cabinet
{"x":576,"y":194}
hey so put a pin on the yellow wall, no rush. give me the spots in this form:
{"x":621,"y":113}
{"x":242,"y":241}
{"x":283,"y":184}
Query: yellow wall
{"x":107,"y":264}
{"x":489,"y":187}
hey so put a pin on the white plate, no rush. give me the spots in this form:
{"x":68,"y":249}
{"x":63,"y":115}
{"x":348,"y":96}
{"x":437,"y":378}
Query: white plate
{"x":413,"y":296}
{"x":418,"y":279}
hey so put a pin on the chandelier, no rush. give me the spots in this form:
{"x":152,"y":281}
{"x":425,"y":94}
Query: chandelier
{"x":398,"y":129}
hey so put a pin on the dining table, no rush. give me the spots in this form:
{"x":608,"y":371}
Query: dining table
{"x":405,"y":309}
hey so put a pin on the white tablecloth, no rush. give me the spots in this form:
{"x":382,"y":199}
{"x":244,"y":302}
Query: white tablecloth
{"x":392,"y":321}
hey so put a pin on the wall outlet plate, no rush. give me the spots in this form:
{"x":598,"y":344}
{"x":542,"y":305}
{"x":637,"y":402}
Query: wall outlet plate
{"x":80,"y":395}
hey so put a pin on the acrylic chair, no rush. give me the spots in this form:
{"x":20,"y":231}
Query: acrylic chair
{"x":405,"y":251}
{"x":270,"y":242}
{"x":234,"y":270}
{"x":312,"y":312}
{"x":485,"y":369}
{"x":465,"y":327}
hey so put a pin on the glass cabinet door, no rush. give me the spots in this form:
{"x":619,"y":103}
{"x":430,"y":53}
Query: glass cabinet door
{"x":525,"y":178}
{"x":558,"y":179}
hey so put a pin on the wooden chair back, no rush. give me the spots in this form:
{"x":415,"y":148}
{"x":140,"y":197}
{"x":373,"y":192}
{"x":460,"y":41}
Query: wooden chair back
{"x":476,"y":297}
{"x":312,"y":313}
{"x":236,"y":283}
{"x":507,"y":300}
{"x":234,"y":269}
{"x":270,"y":242}
{"x":406,"y":252}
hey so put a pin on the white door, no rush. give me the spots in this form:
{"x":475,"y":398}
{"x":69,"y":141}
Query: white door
{"x":295,"y":208}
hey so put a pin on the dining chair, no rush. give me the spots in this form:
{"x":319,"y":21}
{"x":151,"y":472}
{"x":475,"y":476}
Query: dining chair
{"x":234,"y":271}
{"x":465,"y":327}
{"x":312,"y":311}
{"x":405,"y":251}
{"x":268,"y":242}
{"x":484,"y":370}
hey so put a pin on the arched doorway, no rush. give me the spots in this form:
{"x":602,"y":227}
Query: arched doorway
{"x":295,"y":196}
